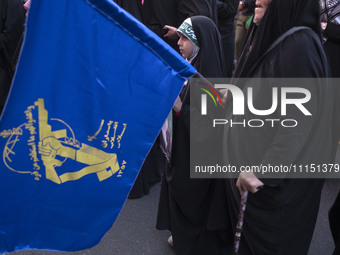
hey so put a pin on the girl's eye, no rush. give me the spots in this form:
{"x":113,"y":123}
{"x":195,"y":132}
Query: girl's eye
{"x":183,"y":38}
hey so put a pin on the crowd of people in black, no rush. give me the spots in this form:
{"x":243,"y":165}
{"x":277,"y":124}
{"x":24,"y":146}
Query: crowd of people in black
{"x":235,"y":39}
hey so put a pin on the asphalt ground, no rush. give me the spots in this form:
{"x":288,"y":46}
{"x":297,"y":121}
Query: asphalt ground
{"x":134,"y":231}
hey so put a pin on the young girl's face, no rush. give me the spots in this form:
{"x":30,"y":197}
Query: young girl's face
{"x":186,"y":47}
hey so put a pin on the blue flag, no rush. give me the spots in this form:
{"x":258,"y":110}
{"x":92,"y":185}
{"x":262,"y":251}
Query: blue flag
{"x":92,"y":90}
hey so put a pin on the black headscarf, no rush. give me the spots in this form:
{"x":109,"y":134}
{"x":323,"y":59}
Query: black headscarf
{"x":209,"y":62}
{"x":280,"y":16}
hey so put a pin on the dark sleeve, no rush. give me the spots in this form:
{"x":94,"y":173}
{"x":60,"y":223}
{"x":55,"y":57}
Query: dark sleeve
{"x":185,"y":116}
{"x":3,"y":27}
{"x":299,"y":54}
{"x":227,"y":8}
{"x":134,"y":7}
{"x":12,"y":26}
{"x":332,"y":31}
{"x":190,"y":113}
{"x":288,"y":143}
{"x":189,"y":8}
{"x":250,"y":5}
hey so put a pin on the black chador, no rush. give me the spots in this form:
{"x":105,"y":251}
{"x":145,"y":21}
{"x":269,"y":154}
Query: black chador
{"x":279,"y":218}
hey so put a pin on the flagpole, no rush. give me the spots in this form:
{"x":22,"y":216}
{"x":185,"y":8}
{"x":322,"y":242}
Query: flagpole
{"x":239,"y":225}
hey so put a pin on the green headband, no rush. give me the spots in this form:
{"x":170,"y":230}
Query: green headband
{"x":188,"y":31}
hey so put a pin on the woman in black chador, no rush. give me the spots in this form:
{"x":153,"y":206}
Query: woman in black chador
{"x":12,"y":19}
{"x":280,"y":217}
{"x":183,"y":201}
{"x":153,"y":165}
{"x":330,"y":24}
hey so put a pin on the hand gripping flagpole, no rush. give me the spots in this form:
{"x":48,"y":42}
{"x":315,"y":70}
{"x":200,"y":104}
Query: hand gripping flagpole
{"x":239,"y":225}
